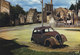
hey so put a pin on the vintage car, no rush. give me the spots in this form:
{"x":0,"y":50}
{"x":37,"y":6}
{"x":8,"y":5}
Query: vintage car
{"x":47,"y":36}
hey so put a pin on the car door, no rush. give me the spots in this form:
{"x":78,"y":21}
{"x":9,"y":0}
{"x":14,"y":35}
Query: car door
{"x":37,"y":36}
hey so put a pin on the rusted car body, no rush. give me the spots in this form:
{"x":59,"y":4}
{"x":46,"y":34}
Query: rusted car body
{"x":47,"y":36}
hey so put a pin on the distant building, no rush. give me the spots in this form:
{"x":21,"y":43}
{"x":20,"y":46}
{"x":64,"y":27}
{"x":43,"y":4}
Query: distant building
{"x":39,"y":16}
{"x":48,"y":10}
{"x":61,"y":13}
{"x":65,"y":16}
{"x":79,"y":13}
{"x":32,"y":16}
{"x":4,"y":6}
{"x":22,"y":18}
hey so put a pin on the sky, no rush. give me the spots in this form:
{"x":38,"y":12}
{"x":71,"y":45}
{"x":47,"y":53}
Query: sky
{"x":36,"y":4}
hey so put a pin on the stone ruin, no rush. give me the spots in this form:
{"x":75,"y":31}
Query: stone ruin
{"x":4,"y":6}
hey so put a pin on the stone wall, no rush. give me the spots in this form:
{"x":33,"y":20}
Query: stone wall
{"x":4,"y":6}
{"x":48,"y":10}
{"x":22,"y":18}
{"x":32,"y":16}
{"x":39,"y":16}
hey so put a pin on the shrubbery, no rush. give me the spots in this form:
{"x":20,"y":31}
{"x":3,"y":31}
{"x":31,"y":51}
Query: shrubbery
{"x":4,"y":19}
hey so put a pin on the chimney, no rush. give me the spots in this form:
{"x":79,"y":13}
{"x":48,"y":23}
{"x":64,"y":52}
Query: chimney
{"x":51,"y":1}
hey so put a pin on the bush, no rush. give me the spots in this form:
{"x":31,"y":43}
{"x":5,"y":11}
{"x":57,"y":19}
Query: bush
{"x":4,"y":19}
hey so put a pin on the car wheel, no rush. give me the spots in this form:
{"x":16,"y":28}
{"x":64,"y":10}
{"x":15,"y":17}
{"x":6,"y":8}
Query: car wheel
{"x":48,"y":44}
{"x":58,"y":37}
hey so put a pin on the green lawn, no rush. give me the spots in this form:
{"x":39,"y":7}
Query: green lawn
{"x":24,"y":36}
{"x":25,"y":51}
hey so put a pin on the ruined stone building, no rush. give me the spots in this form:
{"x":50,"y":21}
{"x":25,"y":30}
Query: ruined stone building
{"x":32,"y":16}
{"x":48,"y":11}
{"x":39,"y":16}
{"x":22,"y":18}
{"x":65,"y":16}
{"x":4,"y":6}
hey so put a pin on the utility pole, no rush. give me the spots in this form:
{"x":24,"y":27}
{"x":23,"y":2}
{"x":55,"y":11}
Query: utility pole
{"x":42,"y":12}
{"x":73,"y":17}
{"x":76,"y":8}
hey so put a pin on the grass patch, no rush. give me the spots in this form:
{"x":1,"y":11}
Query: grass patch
{"x":21,"y":35}
{"x":25,"y":51}
{"x":24,"y":38}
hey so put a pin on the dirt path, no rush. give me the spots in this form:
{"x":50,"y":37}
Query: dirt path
{"x":6,"y":36}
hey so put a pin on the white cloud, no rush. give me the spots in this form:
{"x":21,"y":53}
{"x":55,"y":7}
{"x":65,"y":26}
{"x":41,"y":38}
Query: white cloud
{"x":71,"y":2}
{"x":27,"y":4}
{"x":32,"y":1}
{"x":36,"y":1}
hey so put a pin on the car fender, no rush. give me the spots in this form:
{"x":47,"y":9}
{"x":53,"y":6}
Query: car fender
{"x":52,"y":41}
{"x":64,"y":39}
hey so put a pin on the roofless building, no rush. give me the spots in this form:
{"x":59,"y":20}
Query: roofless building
{"x":4,"y":6}
{"x":48,"y":10}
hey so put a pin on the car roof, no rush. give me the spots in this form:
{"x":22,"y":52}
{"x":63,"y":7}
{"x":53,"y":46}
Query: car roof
{"x":41,"y":28}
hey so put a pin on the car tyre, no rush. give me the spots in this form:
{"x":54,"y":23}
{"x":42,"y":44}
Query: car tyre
{"x":48,"y":44}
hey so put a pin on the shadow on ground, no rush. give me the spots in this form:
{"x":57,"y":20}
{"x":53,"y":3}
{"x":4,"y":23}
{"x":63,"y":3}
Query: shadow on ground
{"x":7,"y":45}
{"x":55,"y":46}
{"x":73,"y":30}
{"x":59,"y":46}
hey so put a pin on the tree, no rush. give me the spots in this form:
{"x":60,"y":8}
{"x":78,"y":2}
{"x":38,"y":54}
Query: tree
{"x":15,"y":11}
{"x":20,"y":9}
{"x":72,"y":7}
{"x":78,"y":5}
